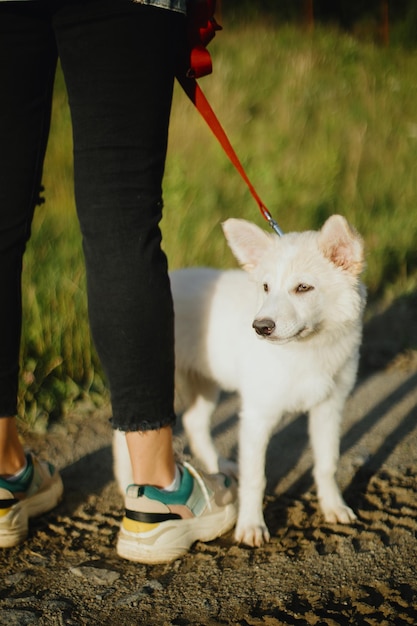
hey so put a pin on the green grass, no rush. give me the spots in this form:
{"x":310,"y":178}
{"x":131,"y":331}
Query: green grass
{"x":322,"y":123}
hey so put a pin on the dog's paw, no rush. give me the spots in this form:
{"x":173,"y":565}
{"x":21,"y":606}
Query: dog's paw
{"x":230,"y":468}
{"x":340,"y":514}
{"x":252,"y":535}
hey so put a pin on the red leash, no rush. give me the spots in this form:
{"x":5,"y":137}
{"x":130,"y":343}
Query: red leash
{"x":202,"y":27}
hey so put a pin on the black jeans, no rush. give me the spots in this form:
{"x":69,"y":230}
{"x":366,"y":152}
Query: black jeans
{"x":118,"y":59}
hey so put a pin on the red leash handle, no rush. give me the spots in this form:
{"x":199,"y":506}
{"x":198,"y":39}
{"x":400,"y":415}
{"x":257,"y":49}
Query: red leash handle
{"x":202,"y":27}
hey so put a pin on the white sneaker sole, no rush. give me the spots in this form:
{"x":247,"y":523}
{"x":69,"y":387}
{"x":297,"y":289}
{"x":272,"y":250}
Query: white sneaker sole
{"x":172,"y":539}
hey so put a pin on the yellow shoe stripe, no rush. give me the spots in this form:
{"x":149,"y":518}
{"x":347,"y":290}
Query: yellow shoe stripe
{"x":133,"y":526}
{"x":4,"y":512}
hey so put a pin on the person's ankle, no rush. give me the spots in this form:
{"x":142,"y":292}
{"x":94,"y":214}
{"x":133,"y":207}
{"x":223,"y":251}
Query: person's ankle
{"x":176,"y":483}
{"x":12,"y":467}
{"x":22,"y":474}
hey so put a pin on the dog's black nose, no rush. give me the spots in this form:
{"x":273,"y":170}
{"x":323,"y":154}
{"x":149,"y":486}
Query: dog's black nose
{"x":264,"y":327}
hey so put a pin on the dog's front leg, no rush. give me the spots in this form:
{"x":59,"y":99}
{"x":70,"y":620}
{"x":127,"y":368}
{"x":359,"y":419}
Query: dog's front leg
{"x":325,"y":420}
{"x":253,"y":440}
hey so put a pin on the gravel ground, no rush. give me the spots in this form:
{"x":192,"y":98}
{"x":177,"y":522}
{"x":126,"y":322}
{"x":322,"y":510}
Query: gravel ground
{"x":310,"y":573}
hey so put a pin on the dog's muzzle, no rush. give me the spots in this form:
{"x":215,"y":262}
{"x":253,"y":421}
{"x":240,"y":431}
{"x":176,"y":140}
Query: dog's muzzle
{"x":264,"y":327}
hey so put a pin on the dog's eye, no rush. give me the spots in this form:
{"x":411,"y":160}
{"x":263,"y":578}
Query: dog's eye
{"x":266,"y":287}
{"x":303,"y":288}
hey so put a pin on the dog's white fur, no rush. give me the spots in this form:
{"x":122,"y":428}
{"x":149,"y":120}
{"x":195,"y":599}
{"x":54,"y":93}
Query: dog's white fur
{"x":303,"y":291}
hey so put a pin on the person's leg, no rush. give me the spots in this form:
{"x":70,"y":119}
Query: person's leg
{"x":27,"y":67}
{"x":152,"y":456}
{"x":119,"y":77}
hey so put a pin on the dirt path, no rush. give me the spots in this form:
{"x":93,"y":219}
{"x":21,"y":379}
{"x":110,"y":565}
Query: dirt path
{"x":310,"y":573}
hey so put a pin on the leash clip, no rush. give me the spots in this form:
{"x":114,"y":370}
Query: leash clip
{"x":273,"y":224}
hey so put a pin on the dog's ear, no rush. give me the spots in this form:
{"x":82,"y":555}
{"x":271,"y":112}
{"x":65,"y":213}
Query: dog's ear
{"x":247,"y":242}
{"x":342,"y":245}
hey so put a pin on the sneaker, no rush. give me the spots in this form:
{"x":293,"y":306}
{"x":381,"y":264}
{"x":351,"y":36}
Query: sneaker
{"x":160,"y":526}
{"x":39,"y":490}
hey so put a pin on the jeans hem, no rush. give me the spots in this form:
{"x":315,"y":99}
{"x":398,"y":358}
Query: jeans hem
{"x":142,"y":425}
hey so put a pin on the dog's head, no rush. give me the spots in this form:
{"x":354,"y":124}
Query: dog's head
{"x":306,"y":281}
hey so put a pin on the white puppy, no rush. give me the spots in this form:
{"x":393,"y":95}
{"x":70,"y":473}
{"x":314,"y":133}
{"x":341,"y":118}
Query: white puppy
{"x":285,"y":334}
